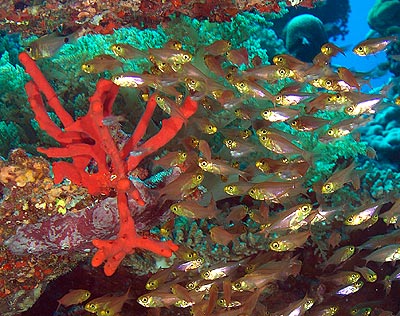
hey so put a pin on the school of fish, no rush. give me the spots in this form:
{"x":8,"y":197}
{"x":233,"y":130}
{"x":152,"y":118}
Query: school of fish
{"x":245,"y":146}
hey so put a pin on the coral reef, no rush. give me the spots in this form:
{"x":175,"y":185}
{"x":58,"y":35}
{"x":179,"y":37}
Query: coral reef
{"x":29,"y":195}
{"x":237,"y":186}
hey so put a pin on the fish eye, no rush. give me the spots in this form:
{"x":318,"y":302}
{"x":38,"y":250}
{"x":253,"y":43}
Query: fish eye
{"x":28,"y":49}
{"x":275,"y":245}
{"x":328,"y":82}
{"x":351,"y":248}
{"x":206,"y":274}
{"x":293,"y":123}
{"x":186,"y":57}
{"x":174,"y":208}
{"x":199,"y":177}
{"x":330,"y":132}
{"x":191,"y":285}
{"x":350,"y":219}
{"x":238,"y":285}
{"x":328,"y":187}
{"x":278,"y":98}
{"x":354,"y":275}
{"x":360,"y":48}
{"x":145,"y":299}
{"x":190,"y":255}
{"x":305,"y":208}
{"x":220,"y":301}
{"x":282,"y":71}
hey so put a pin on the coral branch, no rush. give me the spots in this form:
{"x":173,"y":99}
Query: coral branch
{"x":97,"y":163}
{"x":141,"y":127}
{"x":39,"y":79}
{"x":112,"y":252}
{"x":169,"y":129}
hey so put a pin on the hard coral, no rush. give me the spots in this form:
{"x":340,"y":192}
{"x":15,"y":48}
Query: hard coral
{"x":305,"y":34}
{"x":29,"y":196}
{"x":383,"y":17}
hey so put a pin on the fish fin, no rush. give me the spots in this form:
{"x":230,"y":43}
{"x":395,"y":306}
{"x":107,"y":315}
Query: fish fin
{"x":355,"y":181}
{"x":205,"y":149}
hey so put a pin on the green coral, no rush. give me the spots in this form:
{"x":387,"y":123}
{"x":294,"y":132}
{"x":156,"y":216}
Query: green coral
{"x":9,"y":137}
{"x":250,"y":30}
{"x":14,"y":109}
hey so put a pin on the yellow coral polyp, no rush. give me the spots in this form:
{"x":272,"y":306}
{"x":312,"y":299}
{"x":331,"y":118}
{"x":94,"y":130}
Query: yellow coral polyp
{"x":61,"y":206}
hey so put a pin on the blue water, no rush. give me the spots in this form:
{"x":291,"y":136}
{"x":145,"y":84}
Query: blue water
{"x":358,"y":31}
